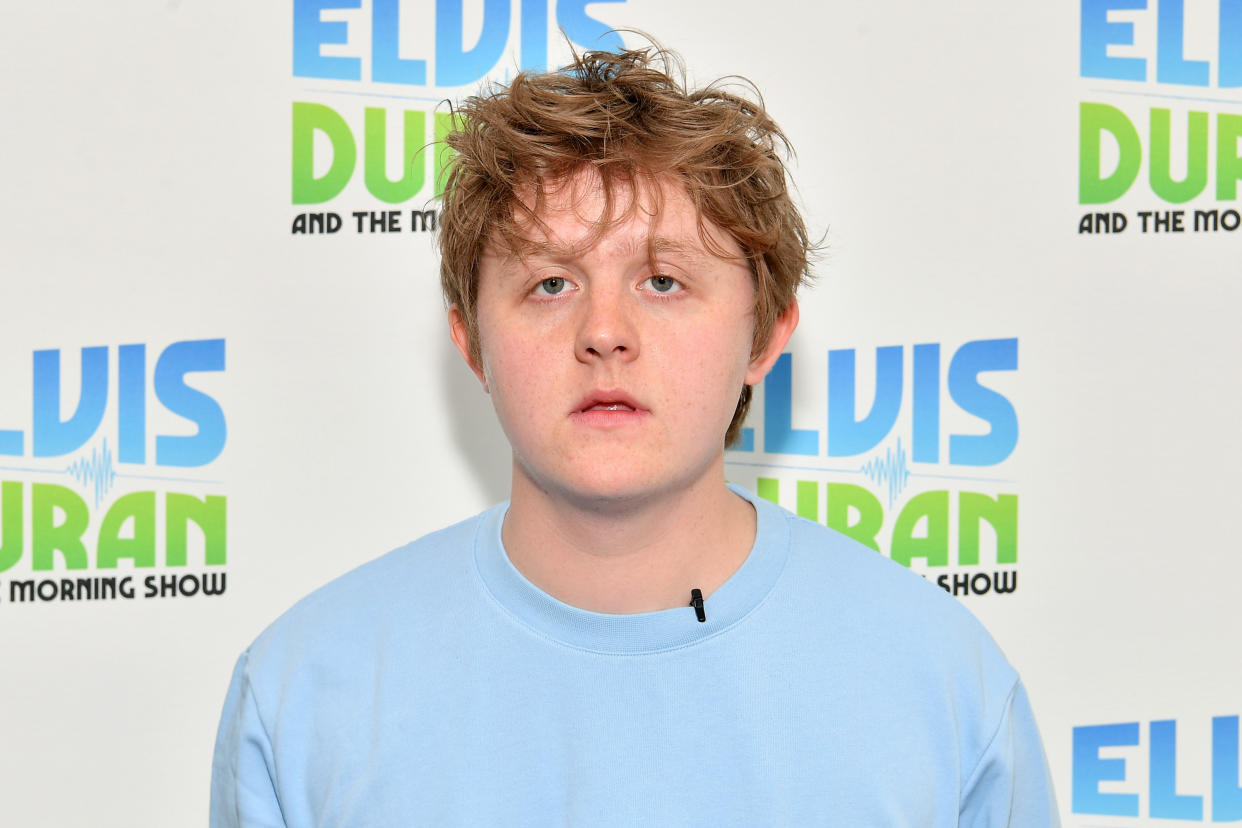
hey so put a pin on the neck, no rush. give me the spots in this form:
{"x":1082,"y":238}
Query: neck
{"x":628,"y":555}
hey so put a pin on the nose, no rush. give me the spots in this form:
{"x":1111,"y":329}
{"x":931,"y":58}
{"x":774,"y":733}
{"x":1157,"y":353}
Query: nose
{"x":606,"y":330}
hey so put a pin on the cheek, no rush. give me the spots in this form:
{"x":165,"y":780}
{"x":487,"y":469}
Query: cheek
{"x":712,"y":368}
{"x":517,"y":374}
{"x":501,"y":366}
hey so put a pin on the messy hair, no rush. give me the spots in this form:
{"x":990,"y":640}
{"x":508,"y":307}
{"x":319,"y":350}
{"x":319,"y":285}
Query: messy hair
{"x":630,"y":117}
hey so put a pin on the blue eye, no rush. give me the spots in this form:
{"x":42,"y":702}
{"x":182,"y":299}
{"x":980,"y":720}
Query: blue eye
{"x":551,"y":287}
{"x":664,"y":284}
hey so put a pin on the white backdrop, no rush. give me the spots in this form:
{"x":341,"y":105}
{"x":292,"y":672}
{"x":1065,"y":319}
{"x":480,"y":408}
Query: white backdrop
{"x":149,"y":199}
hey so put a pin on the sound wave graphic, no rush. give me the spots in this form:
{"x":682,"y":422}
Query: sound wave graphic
{"x":95,"y":471}
{"x":890,"y":470}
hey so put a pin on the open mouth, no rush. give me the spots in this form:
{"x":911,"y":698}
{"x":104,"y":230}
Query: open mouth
{"x":608,"y":401}
{"x":610,"y":406}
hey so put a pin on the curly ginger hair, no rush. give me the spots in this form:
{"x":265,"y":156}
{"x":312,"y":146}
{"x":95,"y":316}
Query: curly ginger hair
{"x":630,"y":116}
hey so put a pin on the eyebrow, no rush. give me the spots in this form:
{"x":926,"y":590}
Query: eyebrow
{"x":651,"y":245}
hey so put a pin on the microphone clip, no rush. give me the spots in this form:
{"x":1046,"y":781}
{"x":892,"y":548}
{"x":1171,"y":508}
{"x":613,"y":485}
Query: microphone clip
{"x":696,"y":601}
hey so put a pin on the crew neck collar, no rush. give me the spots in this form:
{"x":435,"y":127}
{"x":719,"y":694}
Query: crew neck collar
{"x":642,"y":632}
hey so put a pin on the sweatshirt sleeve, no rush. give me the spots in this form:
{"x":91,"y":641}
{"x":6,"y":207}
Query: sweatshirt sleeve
{"x":243,"y":790}
{"x":1010,"y":785}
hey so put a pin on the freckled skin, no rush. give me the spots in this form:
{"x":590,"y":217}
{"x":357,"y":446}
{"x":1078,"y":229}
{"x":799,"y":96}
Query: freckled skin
{"x":563,"y":323}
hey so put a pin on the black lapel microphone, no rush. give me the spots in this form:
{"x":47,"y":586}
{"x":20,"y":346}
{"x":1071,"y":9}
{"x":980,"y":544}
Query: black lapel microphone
{"x":696,"y":601}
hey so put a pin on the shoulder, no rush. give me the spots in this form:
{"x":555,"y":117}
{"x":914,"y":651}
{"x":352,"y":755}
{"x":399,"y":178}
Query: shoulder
{"x":878,"y":593}
{"x":406,"y":592}
{"x":909,"y":639}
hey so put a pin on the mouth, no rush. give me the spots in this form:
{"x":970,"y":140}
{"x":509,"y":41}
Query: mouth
{"x":609,"y":406}
{"x":608,"y":401}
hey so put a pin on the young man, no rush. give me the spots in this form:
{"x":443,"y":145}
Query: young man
{"x":620,"y":258}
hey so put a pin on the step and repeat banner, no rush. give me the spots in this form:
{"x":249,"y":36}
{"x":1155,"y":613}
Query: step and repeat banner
{"x":225,"y":375}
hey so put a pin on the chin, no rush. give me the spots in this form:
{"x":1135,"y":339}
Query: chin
{"x":595,"y":476}
{"x":621,"y":488}
{"x":615,"y":489}
{"x":587,"y":481}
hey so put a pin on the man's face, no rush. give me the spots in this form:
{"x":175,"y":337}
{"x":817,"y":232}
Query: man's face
{"x":615,"y":372}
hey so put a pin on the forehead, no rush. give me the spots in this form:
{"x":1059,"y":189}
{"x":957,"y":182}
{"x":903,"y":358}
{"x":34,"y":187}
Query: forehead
{"x":582,"y":212}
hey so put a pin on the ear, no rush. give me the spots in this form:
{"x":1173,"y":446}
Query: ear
{"x":461,"y":339}
{"x":781,"y":331}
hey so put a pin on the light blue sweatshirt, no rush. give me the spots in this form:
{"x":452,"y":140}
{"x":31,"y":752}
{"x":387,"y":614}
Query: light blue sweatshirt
{"x":436,"y":686}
